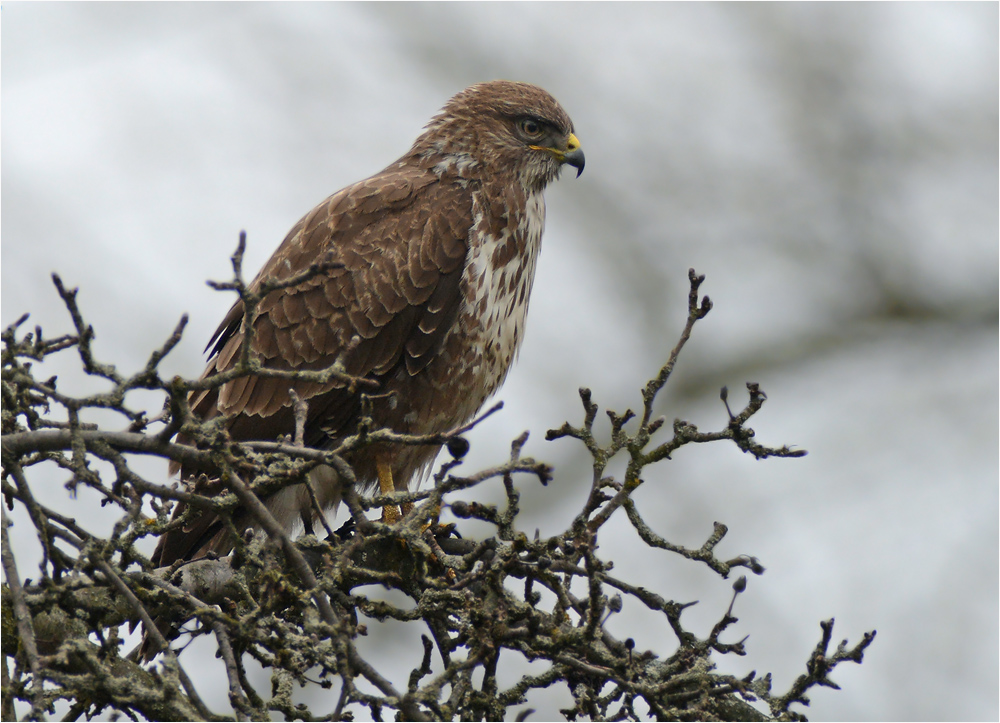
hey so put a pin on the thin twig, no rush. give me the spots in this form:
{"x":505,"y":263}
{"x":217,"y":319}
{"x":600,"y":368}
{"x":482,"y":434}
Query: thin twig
{"x":236,"y":696}
{"x":25,"y":631}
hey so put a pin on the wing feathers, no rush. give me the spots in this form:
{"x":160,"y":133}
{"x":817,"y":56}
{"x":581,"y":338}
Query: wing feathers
{"x":401,"y":238}
{"x":435,"y":318}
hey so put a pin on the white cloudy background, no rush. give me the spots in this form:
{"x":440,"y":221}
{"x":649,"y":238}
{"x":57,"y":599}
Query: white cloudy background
{"x":831,"y":168}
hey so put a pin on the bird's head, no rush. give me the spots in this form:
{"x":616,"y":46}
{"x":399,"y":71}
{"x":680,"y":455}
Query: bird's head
{"x":501,"y":125}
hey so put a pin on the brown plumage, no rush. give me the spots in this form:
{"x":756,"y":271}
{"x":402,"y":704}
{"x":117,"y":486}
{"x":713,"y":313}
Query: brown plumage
{"x":436,"y":256}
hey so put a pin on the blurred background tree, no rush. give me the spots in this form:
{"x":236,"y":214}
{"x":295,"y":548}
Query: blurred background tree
{"x":832,"y":169}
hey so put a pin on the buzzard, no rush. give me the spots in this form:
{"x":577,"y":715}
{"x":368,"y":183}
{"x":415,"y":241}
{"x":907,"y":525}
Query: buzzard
{"x":433,"y":260}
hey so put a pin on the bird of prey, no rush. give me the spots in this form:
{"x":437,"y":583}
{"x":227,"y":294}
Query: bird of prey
{"x":433,"y":260}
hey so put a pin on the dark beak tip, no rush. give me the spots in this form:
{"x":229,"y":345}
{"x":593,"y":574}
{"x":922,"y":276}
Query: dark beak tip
{"x":577,"y":160}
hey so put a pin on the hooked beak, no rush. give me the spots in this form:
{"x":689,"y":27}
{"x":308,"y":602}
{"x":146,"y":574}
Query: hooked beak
{"x":573,"y":155}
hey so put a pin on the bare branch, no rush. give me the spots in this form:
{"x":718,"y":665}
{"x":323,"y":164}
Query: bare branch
{"x":298,"y":607}
{"x":24,"y":628}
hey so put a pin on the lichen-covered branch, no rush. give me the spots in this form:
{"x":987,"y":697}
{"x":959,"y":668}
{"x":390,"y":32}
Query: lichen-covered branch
{"x":296,"y":606}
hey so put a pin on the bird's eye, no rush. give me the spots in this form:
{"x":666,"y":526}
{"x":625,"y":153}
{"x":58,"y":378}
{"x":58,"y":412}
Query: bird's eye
{"x":530,"y":127}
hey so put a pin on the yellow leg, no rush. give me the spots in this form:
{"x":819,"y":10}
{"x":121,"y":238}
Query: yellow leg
{"x":390,"y":513}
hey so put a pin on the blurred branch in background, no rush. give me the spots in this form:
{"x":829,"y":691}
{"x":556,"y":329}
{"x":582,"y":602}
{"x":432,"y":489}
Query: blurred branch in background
{"x":294,"y":606}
